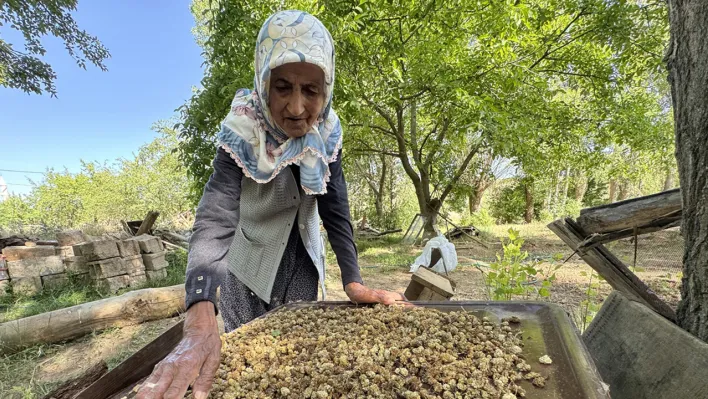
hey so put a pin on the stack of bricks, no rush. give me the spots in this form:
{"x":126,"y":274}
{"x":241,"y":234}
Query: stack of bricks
{"x":116,"y":264}
{"x":4,"y":277}
{"x":108,"y":263}
{"x":153,"y":256}
{"x":31,"y":268}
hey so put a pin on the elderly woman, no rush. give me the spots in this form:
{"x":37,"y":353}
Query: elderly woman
{"x":256,"y":233}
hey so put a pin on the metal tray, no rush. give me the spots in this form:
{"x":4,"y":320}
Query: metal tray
{"x":546,"y":330}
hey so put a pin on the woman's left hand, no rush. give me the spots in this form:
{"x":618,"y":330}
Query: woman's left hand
{"x":359,"y":293}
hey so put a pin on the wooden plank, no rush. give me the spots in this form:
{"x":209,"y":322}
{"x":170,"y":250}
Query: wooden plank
{"x":147,"y":223}
{"x":642,"y":355}
{"x":71,"y":388}
{"x":434,"y":281}
{"x":135,"y":367}
{"x":636,"y":212}
{"x":413,"y":291}
{"x":616,"y":273}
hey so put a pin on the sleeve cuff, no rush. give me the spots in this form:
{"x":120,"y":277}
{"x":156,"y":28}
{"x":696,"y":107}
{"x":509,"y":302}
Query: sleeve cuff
{"x":201,"y":287}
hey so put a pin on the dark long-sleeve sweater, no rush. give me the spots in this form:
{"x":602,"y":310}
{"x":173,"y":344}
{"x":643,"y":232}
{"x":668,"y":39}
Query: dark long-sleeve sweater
{"x":218,"y":215}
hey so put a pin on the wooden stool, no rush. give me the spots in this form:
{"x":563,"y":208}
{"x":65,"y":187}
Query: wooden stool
{"x":427,"y":285}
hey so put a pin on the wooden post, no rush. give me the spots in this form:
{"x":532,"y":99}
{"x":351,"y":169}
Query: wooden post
{"x":149,"y":220}
{"x":616,"y":273}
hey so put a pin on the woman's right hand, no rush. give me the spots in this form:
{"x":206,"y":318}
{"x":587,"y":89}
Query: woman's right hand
{"x":193,"y":362}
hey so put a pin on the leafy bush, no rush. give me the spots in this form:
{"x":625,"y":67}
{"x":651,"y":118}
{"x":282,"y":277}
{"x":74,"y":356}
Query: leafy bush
{"x":509,"y":205}
{"x":511,"y":275}
{"x":482,"y":218}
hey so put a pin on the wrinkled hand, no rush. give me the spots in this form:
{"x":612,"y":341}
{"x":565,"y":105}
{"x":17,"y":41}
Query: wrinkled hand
{"x":194,"y":361}
{"x":359,"y":293}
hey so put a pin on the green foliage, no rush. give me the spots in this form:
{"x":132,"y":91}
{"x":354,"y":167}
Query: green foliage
{"x":483,"y":218}
{"x":509,"y":205}
{"x":589,"y":306}
{"x":105,"y":194}
{"x":34,"y":20}
{"x":513,"y":276}
{"x":531,"y":81}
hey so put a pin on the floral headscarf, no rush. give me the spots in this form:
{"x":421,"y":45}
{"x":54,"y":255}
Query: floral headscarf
{"x":249,"y":133}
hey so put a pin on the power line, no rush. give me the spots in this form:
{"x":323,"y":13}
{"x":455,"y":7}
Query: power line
{"x":20,"y":171}
{"x":19,"y":184}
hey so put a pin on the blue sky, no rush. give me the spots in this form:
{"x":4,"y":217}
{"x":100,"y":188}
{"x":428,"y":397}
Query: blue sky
{"x":101,"y":116}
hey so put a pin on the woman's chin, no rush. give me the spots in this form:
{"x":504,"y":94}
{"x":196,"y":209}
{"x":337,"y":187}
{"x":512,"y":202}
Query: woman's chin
{"x":296,"y":132}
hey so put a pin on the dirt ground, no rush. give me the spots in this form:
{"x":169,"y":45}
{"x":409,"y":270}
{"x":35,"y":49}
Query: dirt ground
{"x":35,"y":371}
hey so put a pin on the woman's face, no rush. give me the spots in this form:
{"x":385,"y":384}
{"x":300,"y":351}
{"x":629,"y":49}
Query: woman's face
{"x":296,"y":97}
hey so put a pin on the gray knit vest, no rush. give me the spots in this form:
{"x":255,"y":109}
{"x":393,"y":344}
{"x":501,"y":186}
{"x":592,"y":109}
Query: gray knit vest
{"x":267,"y":214}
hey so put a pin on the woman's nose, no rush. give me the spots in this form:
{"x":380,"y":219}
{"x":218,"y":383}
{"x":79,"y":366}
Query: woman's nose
{"x":296,"y":105}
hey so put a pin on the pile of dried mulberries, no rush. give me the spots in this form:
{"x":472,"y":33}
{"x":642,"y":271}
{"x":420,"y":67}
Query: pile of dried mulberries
{"x":379,"y":352}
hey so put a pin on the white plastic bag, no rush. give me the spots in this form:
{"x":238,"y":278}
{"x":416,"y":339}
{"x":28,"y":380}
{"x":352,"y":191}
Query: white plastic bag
{"x":448,"y":255}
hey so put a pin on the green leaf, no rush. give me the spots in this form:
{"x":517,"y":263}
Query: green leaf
{"x":544,"y":292}
{"x":275,"y":333}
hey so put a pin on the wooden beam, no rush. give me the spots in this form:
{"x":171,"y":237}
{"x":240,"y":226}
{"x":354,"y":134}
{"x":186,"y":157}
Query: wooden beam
{"x":616,"y":273}
{"x":631,"y":213}
{"x":660,"y":224}
{"x":69,"y":323}
{"x":147,"y":223}
{"x":136,"y":367}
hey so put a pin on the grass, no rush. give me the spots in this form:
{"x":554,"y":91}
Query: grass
{"x":20,"y":372}
{"x":14,"y":307}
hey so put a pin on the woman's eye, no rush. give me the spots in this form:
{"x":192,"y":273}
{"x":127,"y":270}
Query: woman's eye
{"x":282,"y":89}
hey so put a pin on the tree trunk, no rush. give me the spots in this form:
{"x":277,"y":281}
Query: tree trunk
{"x":556,"y":192}
{"x":430,"y":229}
{"x":687,"y":61}
{"x":613,"y":190}
{"x":475,"y":199}
{"x":623,"y":191}
{"x":528,"y":194}
{"x":581,"y":187}
{"x":566,"y":185}
{"x":669,"y":180}
{"x":380,"y":192}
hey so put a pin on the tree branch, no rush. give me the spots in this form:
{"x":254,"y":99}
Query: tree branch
{"x":364,"y":151}
{"x":582,"y":75}
{"x":460,"y":171}
{"x":377,"y":127}
{"x":439,"y":139}
{"x":558,"y":36}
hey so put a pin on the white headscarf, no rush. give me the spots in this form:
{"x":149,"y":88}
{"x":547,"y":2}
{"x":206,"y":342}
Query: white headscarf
{"x":248,"y":132}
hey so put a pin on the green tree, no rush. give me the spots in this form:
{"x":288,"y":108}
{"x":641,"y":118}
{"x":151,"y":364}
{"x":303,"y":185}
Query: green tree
{"x":434,"y":84}
{"x":35,"y":19}
{"x":104,"y":193}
